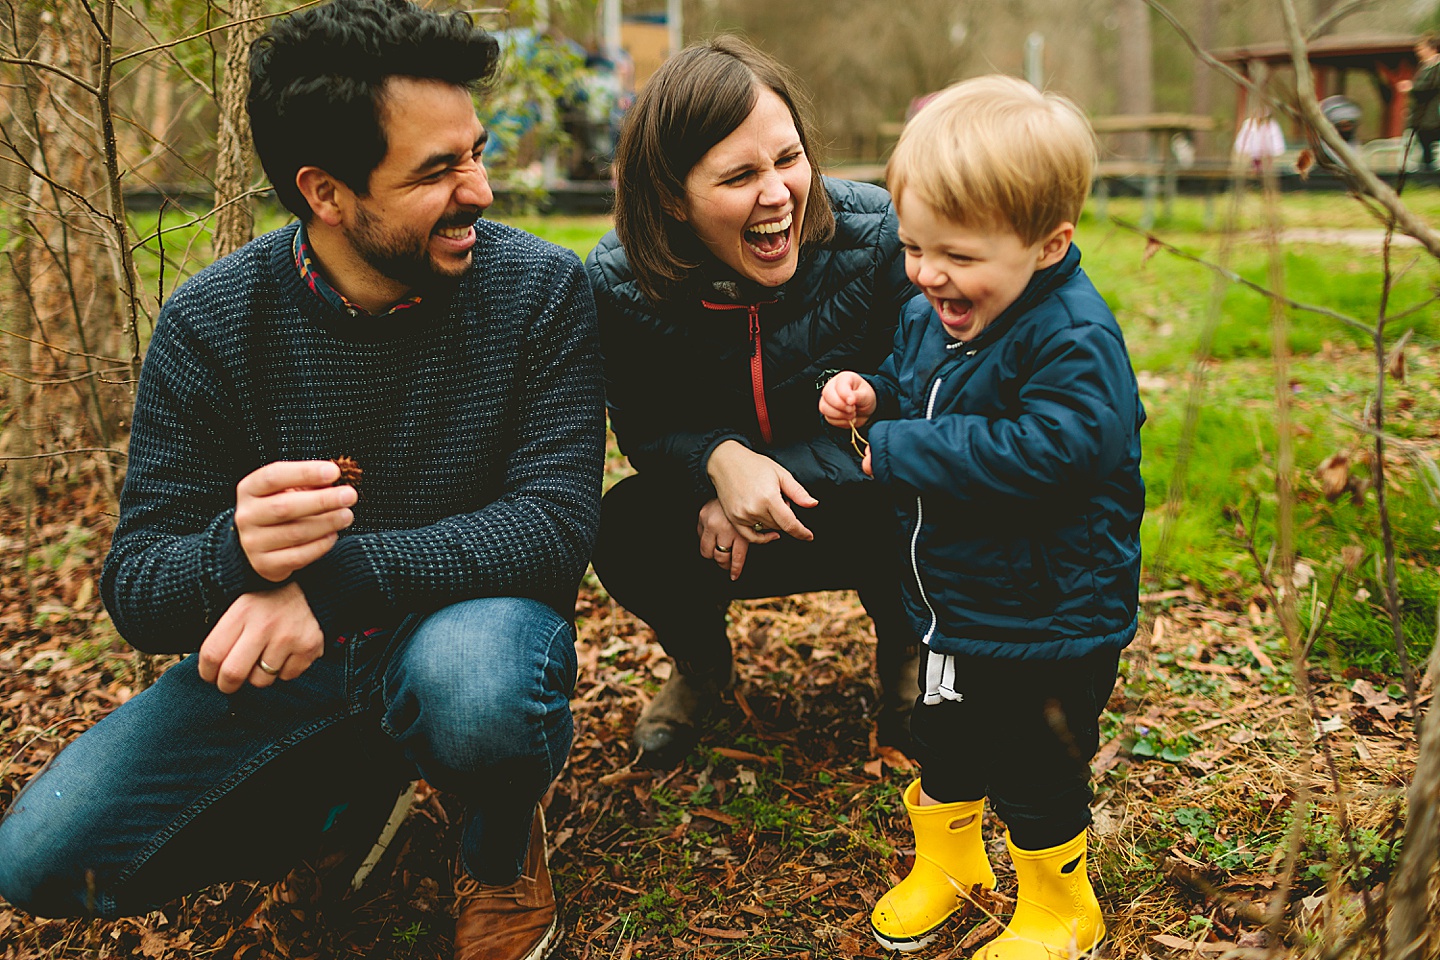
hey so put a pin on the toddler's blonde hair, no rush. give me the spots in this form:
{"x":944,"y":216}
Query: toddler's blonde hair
{"x":994,"y":151}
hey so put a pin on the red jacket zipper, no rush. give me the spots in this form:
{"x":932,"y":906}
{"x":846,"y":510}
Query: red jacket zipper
{"x":757,"y":361}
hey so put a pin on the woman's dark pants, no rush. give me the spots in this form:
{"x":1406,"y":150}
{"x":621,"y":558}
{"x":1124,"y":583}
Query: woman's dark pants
{"x":648,"y":558}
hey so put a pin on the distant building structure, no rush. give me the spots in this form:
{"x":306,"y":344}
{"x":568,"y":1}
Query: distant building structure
{"x":1385,"y":60}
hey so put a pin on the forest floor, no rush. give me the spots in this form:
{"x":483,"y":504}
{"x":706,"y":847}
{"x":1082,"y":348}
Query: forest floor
{"x":785,"y":825}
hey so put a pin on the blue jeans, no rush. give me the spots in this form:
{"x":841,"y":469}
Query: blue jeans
{"x":184,"y":786}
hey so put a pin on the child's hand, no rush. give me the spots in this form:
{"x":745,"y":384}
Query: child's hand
{"x":865,"y":463}
{"x":847,"y":400}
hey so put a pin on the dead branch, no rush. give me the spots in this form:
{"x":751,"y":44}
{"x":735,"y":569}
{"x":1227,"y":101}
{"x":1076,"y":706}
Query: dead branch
{"x":201,"y":218}
{"x":111,"y":451}
{"x":1224,"y":69}
{"x":1387,"y":530}
{"x":58,"y":349}
{"x":1235,"y":278}
{"x":51,"y":68}
{"x":100,"y":374}
{"x":169,"y":51}
{"x":1195,"y":396}
{"x":1333,"y":18}
{"x":79,"y":198}
{"x":205,"y":33}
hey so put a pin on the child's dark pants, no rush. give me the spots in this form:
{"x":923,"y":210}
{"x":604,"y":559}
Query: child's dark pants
{"x":1023,"y":735}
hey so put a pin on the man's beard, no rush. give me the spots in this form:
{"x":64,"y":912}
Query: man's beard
{"x":403,"y":258}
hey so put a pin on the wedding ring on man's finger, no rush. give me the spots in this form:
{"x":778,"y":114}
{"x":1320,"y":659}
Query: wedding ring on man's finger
{"x":720,"y":549}
{"x":266,"y":668}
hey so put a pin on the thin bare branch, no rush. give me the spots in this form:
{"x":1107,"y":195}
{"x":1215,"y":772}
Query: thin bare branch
{"x":170,"y":53}
{"x":208,"y":214}
{"x":50,"y":67}
{"x":73,"y":451}
{"x":1387,"y":529}
{"x":1234,"y":277}
{"x":44,"y":177}
{"x":1224,"y":69}
{"x":52,"y":347}
{"x":62,"y":381}
{"x":204,"y":33}
{"x":95,"y":22}
{"x":1334,"y":17}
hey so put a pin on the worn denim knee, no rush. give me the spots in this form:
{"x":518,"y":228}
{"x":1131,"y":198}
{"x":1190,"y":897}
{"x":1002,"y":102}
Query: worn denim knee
{"x":478,"y":697}
{"x":479,"y":683}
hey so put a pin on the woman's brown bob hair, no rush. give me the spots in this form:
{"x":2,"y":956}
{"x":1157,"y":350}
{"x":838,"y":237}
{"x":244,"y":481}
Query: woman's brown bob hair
{"x":696,"y":99}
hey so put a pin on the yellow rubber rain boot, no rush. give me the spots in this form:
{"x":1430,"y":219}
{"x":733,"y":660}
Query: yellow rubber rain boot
{"x":1056,"y":915}
{"x":949,"y":860}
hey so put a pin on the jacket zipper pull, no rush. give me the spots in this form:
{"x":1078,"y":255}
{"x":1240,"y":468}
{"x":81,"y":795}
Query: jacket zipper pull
{"x":757,"y":376}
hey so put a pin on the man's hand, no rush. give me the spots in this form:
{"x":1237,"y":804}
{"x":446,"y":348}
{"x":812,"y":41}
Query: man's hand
{"x":288,"y":514}
{"x":756,"y":493}
{"x":848,"y":400}
{"x":273,"y":627}
{"x":720,"y":540}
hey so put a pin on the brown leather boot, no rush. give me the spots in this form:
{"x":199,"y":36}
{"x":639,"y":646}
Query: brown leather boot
{"x":669,"y":727}
{"x":515,"y":922}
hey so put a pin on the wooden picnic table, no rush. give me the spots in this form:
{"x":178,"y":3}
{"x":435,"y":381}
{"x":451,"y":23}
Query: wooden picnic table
{"x":1159,"y":167}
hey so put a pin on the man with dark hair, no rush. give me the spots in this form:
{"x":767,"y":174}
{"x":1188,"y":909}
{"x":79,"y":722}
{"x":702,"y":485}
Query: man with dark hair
{"x":346,"y":643}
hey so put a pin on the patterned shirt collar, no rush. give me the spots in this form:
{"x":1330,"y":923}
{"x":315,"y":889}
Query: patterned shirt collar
{"x":309,"y":269}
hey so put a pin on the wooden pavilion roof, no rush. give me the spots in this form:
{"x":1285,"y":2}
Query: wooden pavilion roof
{"x":1358,"y":51}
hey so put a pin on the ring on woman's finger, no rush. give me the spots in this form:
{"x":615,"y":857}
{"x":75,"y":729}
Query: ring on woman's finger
{"x":720,"y":549}
{"x":266,"y":668}
{"x":760,"y":527}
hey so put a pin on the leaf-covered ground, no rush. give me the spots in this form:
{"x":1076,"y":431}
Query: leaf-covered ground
{"x":782,"y":830}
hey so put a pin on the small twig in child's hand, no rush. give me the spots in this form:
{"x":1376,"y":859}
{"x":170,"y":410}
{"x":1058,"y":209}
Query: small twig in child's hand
{"x":857,"y":441}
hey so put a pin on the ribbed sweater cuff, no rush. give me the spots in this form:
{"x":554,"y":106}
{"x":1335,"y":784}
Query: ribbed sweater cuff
{"x":341,"y":588}
{"x":233,"y":573}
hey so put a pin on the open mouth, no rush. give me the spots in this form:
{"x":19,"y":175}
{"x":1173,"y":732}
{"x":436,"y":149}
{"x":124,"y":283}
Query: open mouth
{"x":955,"y":313}
{"x":770,"y":241}
{"x":455,"y":233}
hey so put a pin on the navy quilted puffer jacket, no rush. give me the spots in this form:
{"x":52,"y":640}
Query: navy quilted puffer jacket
{"x":731,"y":360}
{"x":1015,"y":460}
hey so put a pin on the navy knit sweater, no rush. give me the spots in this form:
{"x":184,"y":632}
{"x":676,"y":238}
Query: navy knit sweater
{"x":477,"y":419}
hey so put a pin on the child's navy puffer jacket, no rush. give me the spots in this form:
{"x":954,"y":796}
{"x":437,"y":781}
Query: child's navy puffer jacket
{"x":1015,"y":461}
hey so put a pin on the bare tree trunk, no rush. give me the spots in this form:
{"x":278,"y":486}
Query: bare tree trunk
{"x":234,"y":219}
{"x":162,"y":115}
{"x":15,"y":301}
{"x":1135,"y":83}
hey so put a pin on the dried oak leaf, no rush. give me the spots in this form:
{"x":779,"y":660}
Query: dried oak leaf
{"x":1152,"y":247}
{"x":1395,"y":364}
{"x":1351,"y":557}
{"x":1334,"y":474}
{"x":1304,"y":163}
